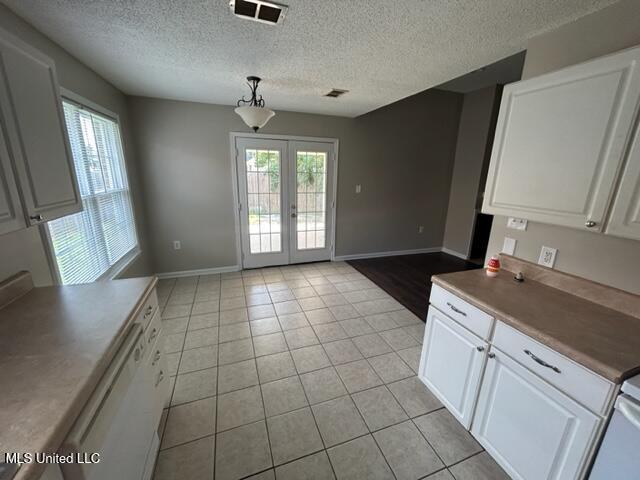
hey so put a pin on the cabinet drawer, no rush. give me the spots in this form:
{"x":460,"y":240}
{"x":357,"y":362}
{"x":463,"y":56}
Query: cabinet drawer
{"x":581,"y":384}
{"x":148,"y":310}
{"x":464,"y":313}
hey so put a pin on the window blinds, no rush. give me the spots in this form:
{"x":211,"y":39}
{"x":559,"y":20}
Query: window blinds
{"x":87,"y":244}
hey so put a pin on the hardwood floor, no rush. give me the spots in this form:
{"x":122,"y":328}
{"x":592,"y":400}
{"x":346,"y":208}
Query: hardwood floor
{"x":407,"y":278}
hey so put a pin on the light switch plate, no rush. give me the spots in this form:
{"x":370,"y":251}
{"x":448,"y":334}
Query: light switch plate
{"x":517,"y":223}
{"x":358,"y":188}
{"x":509,"y":245}
{"x":547,"y":256}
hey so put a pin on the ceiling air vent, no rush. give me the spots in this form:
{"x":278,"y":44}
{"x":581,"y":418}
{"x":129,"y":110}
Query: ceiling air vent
{"x":335,"y":93}
{"x":258,"y":11}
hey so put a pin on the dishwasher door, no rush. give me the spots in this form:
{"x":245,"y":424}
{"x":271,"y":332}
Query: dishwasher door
{"x":117,"y":422}
{"x":618,"y":457}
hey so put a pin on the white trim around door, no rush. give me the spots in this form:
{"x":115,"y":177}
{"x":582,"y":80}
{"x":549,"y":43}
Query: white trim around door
{"x":288,"y":147}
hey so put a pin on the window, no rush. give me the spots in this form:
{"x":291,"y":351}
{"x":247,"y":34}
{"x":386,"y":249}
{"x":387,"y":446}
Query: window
{"x":90,"y":243}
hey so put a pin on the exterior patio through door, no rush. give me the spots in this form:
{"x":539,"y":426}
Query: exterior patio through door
{"x":285,"y":200}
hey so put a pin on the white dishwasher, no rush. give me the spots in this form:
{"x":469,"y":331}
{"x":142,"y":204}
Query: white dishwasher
{"x":118,"y":420}
{"x":619,"y":457}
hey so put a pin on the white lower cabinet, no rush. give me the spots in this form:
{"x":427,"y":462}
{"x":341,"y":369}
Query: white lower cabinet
{"x":451,"y":364}
{"x":534,"y":431}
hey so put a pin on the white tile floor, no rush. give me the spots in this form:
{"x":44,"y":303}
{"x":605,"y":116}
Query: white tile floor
{"x":302,"y":372}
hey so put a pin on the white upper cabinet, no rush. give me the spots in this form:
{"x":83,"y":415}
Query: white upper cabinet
{"x":625,"y":213}
{"x":11,"y":216}
{"x":31,"y":113}
{"x":561,"y":140}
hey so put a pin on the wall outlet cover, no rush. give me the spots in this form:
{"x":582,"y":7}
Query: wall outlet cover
{"x":517,"y":223}
{"x":358,"y":188}
{"x":177,"y":245}
{"x":509,"y":245}
{"x":547,"y":256}
{"x":420,"y":228}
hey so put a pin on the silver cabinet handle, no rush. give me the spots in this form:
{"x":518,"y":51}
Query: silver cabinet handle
{"x":156,"y":357}
{"x":590,"y":224}
{"x":491,"y":355}
{"x":148,"y":312}
{"x":456,"y":310}
{"x":154,"y":334}
{"x":37,"y":218}
{"x":160,"y":378}
{"x":480,"y":349}
{"x":539,"y":361}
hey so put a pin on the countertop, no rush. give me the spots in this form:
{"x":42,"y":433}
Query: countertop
{"x":603,"y":340}
{"x":55,"y":345}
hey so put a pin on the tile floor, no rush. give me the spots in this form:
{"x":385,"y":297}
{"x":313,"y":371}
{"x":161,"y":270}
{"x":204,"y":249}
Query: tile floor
{"x":301,"y":372}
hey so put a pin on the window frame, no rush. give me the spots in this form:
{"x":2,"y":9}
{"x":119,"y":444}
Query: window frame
{"x":118,"y":268}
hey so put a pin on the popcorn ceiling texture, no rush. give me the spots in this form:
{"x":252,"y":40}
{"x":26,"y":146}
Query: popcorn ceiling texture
{"x":380,"y":50}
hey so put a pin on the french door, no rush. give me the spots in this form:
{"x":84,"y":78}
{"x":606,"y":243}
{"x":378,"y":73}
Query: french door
{"x":285,"y":192}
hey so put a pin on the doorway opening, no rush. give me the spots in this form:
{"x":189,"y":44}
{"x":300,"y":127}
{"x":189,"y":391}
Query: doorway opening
{"x":285,"y":192}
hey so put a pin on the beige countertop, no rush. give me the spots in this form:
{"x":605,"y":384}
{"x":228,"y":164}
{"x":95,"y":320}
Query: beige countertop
{"x":55,"y":344}
{"x":604,"y":340}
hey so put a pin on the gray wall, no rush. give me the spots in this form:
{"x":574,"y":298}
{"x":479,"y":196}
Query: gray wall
{"x":401,"y":154}
{"x":469,"y":169}
{"x":609,"y":260}
{"x":24,"y":250}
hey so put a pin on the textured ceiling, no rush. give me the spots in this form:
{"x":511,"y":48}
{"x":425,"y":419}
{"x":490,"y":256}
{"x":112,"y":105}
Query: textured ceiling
{"x":379,"y":50}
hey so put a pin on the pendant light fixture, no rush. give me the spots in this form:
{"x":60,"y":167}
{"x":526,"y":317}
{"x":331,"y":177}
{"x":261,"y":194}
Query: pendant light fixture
{"x":253,"y":111}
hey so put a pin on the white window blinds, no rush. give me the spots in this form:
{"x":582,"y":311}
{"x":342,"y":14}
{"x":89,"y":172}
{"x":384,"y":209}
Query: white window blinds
{"x":87,"y":244}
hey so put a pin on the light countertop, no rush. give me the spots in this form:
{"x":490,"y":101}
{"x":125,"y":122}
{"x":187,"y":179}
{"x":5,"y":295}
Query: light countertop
{"x":604,"y":340}
{"x":55,"y":345}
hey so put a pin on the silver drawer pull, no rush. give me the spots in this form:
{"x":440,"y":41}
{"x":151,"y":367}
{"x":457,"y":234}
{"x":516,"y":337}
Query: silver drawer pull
{"x":154,"y":334}
{"x":491,"y":355}
{"x":160,"y":378}
{"x":480,"y":349}
{"x":456,"y":310}
{"x":149,"y":310}
{"x":156,"y":357}
{"x":539,"y":361}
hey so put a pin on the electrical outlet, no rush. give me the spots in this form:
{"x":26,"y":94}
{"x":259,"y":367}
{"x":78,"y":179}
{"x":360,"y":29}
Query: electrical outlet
{"x":517,"y":223}
{"x":547,"y":256}
{"x":358,"y":188}
{"x":177,"y":245}
{"x":420,"y":228}
{"x":509,"y":245}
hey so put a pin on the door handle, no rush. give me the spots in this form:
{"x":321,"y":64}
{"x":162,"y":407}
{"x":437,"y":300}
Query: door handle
{"x":457,"y":310}
{"x":630,"y":411}
{"x":539,"y":361}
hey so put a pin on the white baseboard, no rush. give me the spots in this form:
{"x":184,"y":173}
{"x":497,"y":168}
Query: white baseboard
{"x":357,"y":256}
{"x":202,"y":271}
{"x":454,"y":253}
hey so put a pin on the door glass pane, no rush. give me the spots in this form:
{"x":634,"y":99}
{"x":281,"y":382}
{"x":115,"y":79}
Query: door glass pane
{"x":311,"y":186}
{"x":263,"y":202}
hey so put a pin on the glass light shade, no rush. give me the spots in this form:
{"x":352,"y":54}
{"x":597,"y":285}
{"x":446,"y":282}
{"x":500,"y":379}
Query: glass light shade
{"x":255,"y":117}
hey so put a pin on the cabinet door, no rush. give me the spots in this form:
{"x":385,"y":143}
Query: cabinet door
{"x":11,"y":216}
{"x":532,"y":430}
{"x":560,"y":140}
{"x":451,"y":364}
{"x":31,"y":107}
{"x":625,"y":213}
